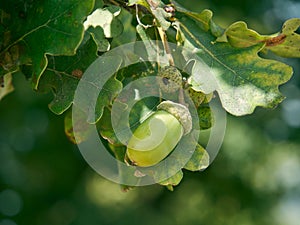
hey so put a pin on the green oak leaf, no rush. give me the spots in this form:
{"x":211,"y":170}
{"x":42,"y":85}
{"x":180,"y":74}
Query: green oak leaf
{"x":63,"y":87}
{"x":161,"y":17}
{"x":136,"y":71}
{"x":204,"y":19}
{"x":10,"y":59}
{"x":173,"y":180}
{"x":147,"y":35}
{"x":97,"y":33}
{"x":139,"y":2}
{"x":242,"y":79}
{"x":285,"y":44}
{"x":206,"y":118}
{"x":124,"y":177}
{"x":105,"y":128}
{"x":83,"y":133}
{"x":156,"y":7}
{"x":128,"y":35}
{"x":110,"y":90}
{"x":98,"y":4}
{"x":6,"y":86}
{"x":96,"y":98}
{"x":63,"y":74}
{"x":199,"y":160}
{"x":238,"y":35}
{"x":53,"y":27}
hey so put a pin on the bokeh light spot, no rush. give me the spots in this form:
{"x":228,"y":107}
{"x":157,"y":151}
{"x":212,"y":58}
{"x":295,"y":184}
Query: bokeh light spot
{"x":10,"y":202}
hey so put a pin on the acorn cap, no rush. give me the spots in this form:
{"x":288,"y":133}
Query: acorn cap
{"x":169,"y":79}
{"x":180,"y":112}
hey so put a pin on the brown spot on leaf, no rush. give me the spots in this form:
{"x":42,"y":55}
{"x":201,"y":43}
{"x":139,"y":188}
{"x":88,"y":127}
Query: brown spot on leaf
{"x":77,"y":73}
{"x":275,"y":40}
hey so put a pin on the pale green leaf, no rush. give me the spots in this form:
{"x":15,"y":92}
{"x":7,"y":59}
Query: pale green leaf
{"x":199,"y":160}
{"x":6,"y":86}
{"x":106,"y":19}
{"x":162,"y":17}
{"x":173,"y":180}
{"x":285,"y":44}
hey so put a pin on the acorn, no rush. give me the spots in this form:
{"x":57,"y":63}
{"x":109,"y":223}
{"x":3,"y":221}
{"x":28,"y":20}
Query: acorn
{"x":169,"y":79}
{"x":158,"y":135}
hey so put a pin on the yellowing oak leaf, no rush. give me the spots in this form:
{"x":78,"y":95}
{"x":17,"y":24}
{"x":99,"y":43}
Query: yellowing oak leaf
{"x":285,"y":43}
{"x":242,"y":79}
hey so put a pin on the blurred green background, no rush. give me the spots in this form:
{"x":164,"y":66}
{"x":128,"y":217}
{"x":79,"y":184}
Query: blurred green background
{"x":255,"y":179}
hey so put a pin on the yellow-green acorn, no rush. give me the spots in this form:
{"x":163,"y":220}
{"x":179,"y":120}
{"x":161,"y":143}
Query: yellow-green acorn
{"x":158,"y":135}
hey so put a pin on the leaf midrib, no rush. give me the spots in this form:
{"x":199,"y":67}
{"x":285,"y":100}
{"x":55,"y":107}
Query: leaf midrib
{"x":37,"y":28}
{"x":235,"y":74}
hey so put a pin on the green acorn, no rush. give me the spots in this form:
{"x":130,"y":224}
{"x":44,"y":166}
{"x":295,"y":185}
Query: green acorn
{"x":158,"y":135}
{"x":169,"y":79}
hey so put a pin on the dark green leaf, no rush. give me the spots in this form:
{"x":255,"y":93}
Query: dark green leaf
{"x":105,"y":128}
{"x":63,"y":74}
{"x":97,"y":98}
{"x":43,"y":28}
{"x":205,"y":117}
{"x":110,"y":90}
{"x":83,"y":133}
{"x":98,"y":35}
{"x":129,"y":34}
{"x":125,"y":177}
